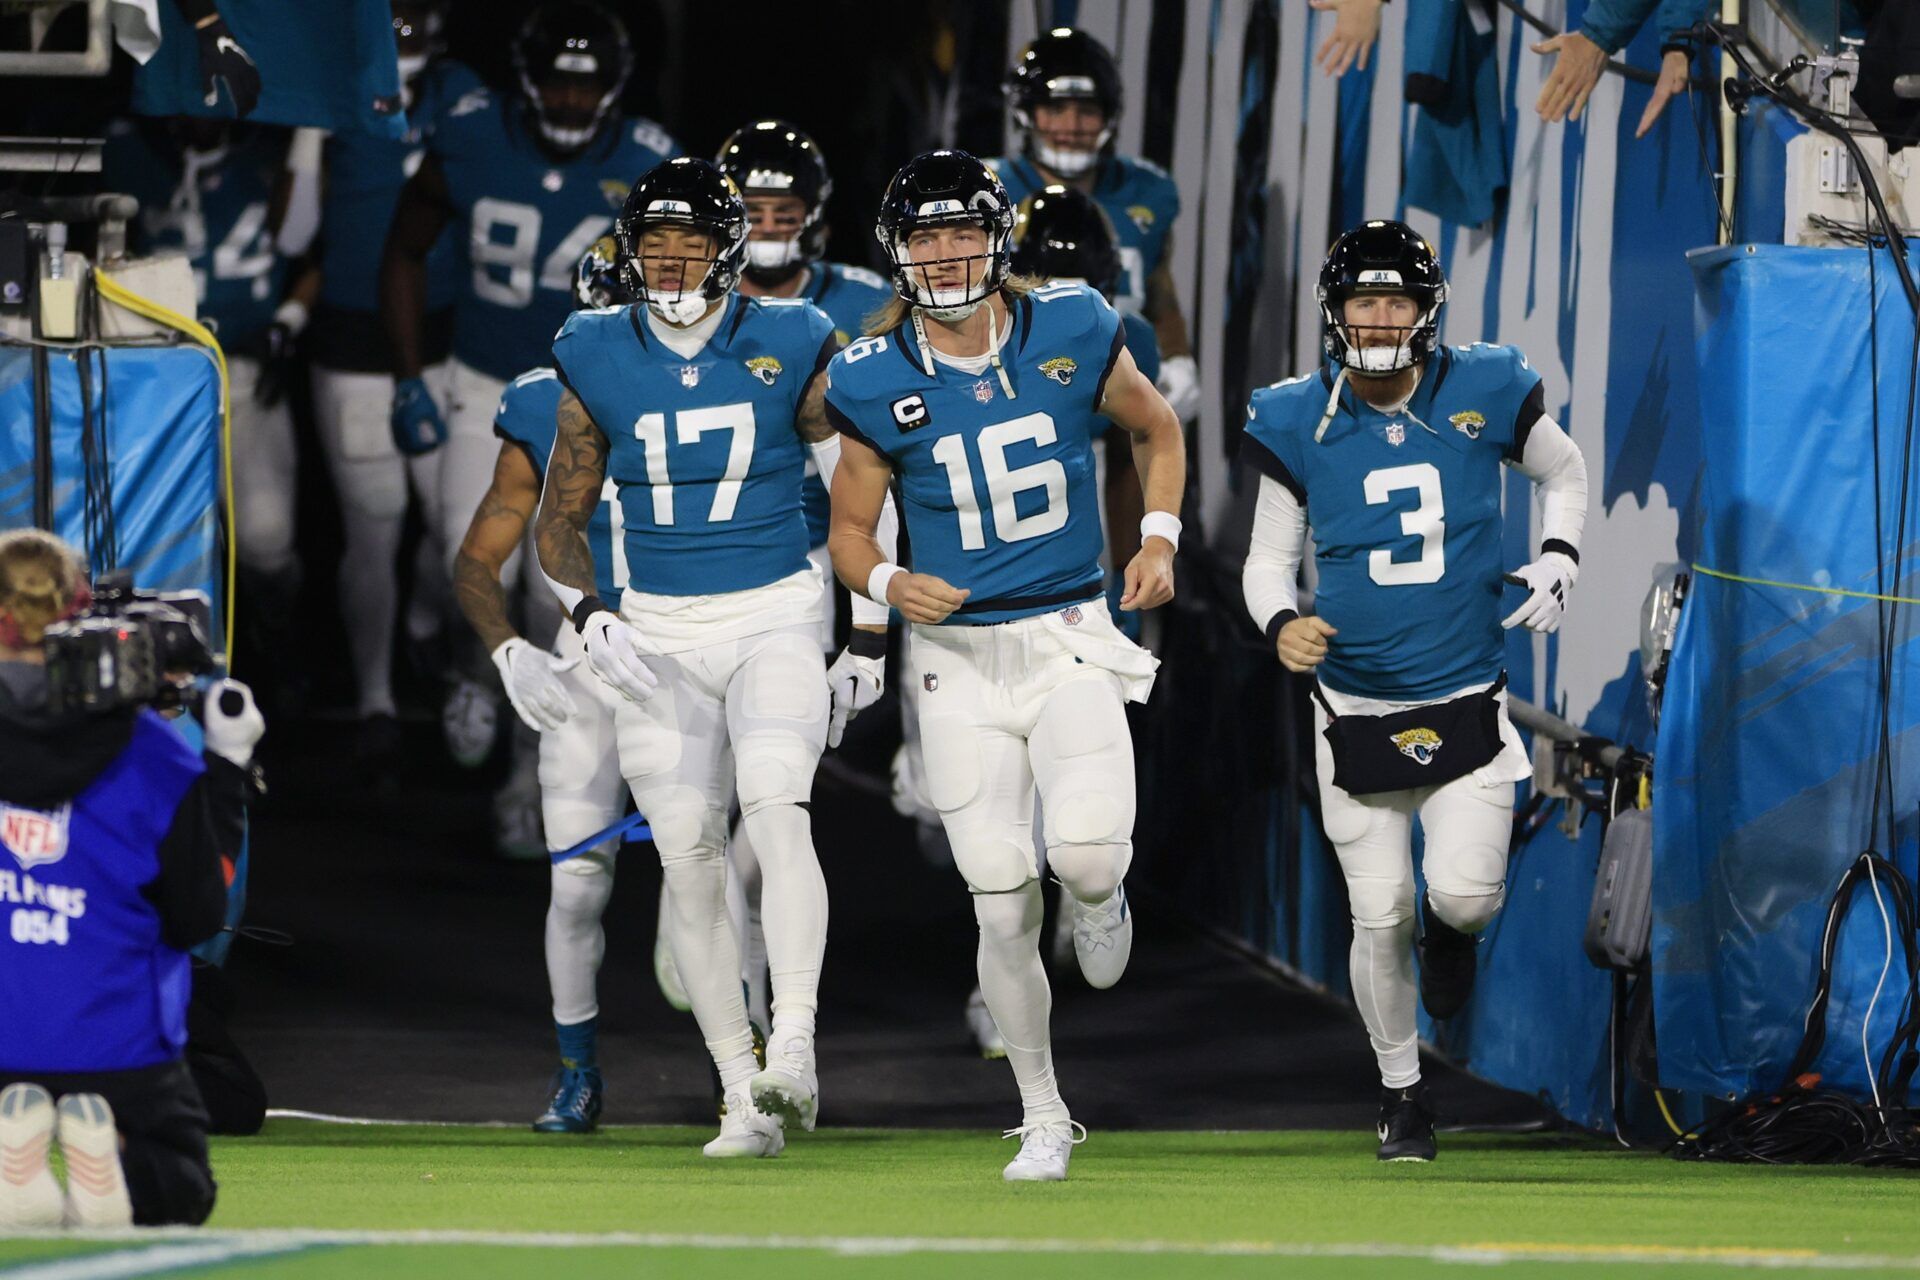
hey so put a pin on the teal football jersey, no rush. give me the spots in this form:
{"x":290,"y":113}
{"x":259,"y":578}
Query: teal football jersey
{"x":704,"y":451}
{"x":1405,"y":513}
{"x":218,"y":219}
{"x":848,"y":295}
{"x":1140,"y":200}
{"x":524,"y":221}
{"x":526,"y":417}
{"x":998,"y":495}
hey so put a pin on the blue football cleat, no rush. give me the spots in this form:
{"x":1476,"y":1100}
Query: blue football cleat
{"x":575,"y":1104}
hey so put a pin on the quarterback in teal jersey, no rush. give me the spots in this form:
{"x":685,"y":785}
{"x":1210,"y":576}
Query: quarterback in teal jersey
{"x":1066,"y":97}
{"x":1395,"y":454}
{"x":581,"y":789}
{"x":981,"y":395}
{"x":700,"y":405}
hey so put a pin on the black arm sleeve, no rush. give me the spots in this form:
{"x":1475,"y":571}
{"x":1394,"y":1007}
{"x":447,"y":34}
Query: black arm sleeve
{"x":191,"y":890}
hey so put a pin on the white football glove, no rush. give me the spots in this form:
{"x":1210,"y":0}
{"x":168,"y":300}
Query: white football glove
{"x":1180,"y":384}
{"x":613,"y":652}
{"x":1549,"y":581}
{"x":855,"y":684}
{"x":230,"y":722}
{"x":532,"y":681}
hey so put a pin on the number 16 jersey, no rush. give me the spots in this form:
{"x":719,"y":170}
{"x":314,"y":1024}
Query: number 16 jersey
{"x":998,"y":494}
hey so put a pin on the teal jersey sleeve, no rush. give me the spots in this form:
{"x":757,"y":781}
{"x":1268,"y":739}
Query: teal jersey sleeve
{"x":526,"y":417}
{"x":1143,"y":345}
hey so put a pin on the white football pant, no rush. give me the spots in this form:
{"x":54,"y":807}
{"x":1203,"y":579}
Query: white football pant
{"x":264,"y":473}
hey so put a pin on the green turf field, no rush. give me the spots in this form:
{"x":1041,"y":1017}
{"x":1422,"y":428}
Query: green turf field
{"x":307,"y":1199}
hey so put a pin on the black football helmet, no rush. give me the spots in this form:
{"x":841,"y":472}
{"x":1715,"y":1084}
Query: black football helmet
{"x":772,"y":158}
{"x":419,"y":34}
{"x":1381,"y":257}
{"x":939,"y":188}
{"x":1062,"y":232}
{"x":686,"y":192}
{"x":596,"y":281}
{"x":1064,"y":65}
{"x":566,"y":43}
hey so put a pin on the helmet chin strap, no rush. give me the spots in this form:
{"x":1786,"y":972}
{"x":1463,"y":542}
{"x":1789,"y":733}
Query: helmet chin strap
{"x":687,"y":306}
{"x":993,"y":343}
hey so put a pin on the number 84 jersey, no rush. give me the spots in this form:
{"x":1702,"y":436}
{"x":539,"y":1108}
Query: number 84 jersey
{"x":998,"y":494}
{"x":1405,"y":512}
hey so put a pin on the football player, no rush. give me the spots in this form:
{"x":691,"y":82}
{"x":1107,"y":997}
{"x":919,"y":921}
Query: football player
{"x":699,"y":404}
{"x":785,"y":181}
{"x":353,"y":375}
{"x":528,"y":182}
{"x":982,"y":395}
{"x":1393,"y":453}
{"x":581,"y":790}
{"x":1065,"y":93}
{"x":218,"y":192}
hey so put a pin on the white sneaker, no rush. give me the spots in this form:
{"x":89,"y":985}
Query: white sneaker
{"x":665,"y":971}
{"x":1045,"y":1146}
{"x":469,"y":721}
{"x":745,"y":1132}
{"x":90,"y":1145}
{"x":1102,"y":937}
{"x":29,"y":1193}
{"x":789,"y":1087}
{"x":986,"y":1032}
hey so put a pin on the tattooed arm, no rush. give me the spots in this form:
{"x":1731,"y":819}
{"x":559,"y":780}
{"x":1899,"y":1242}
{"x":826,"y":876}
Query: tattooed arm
{"x":575,"y":474}
{"x":496,"y":530}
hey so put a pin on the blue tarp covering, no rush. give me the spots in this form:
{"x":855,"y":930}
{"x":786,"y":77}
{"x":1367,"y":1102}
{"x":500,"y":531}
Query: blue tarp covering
{"x":162,"y":408}
{"x":1769,"y":736}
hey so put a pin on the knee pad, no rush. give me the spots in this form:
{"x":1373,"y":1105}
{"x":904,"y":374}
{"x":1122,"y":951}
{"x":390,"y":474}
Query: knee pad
{"x":773,"y":767}
{"x":1380,"y":903}
{"x":992,"y":857}
{"x":1469,"y":913}
{"x":1091,"y":872}
{"x":686,"y":825}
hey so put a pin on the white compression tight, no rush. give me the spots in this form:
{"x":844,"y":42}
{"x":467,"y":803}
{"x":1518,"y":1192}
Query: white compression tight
{"x":575,"y":940}
{"x":1466,"y":827}
{"x":1014,"y":981}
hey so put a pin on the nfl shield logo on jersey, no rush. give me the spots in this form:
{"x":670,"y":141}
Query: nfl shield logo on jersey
{"x":983,"y":391}
{"x":930,"y":682}
{"x":689,"y":375}
{"x":35,"y":836}
{"x":1396,"y":434}
{"x":1071,"y":615}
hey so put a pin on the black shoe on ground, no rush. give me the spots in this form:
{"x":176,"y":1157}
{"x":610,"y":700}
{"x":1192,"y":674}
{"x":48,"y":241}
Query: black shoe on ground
{"x":1447,"y":965}
{"x":1406,"y":1124}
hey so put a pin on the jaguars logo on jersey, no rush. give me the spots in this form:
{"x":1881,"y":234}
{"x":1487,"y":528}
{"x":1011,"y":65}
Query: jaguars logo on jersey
{"x":765,"y":368}
{"x":1419,"y":744}
{"x":615,"y":191}
{"x":1468,"y":423}
{"x":1142,"y":216}
{"x":1061,"y":369}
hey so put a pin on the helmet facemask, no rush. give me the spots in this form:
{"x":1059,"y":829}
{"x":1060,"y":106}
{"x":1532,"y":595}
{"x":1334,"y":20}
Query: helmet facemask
{"x":951,"y":302}
{"x":773,"y":260}
{"x":699,"y":286}
{"x":1066,"y":161}
{"x":1414,"y":344}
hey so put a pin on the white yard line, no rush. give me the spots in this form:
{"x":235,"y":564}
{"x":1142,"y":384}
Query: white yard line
{"x":202,"y":1247}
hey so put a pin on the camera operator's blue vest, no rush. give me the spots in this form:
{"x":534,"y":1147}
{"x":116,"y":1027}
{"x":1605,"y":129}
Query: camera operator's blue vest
{"x":86,"y":982}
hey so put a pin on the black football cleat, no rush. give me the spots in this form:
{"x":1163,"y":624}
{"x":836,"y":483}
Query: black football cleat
{"x":1448,"y":965}
{"x":1406,"y":1125}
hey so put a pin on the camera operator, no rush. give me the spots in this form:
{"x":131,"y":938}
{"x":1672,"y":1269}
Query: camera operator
{"x":113,"y":832}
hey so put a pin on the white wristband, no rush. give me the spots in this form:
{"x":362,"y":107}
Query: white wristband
{"x":883,"y":573}
{"x":1161,"y":524}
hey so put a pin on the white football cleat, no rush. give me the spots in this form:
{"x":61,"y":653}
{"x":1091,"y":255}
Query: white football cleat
{"x":789,"y":1087}
{"x":745,"y":1132}
{"x":1045,"y":1146}
{"x":986,"y":1032}
{"x":29,"y":1193}
{"x":90,"y":1145}
{"x":665,"y":971}
{"x":1102,"y":937}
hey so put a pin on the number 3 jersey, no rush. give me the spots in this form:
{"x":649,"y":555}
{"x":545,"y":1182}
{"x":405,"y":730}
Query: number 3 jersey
{"x":527,"y":220}
{"x":998,"y":495}
{"x":1405,"y":513}
{"x":703,"y":450}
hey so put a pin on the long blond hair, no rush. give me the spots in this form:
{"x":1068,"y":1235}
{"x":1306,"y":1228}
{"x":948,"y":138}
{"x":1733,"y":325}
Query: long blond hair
{"x":40,"y":576}
{"x":894,"y":312}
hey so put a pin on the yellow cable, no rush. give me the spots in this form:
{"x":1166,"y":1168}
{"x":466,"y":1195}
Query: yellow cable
{"x":1645,"y":798}
{"x":1798,"y":586}
{"x":1661,"y":1098}
{"x":113,"y":291}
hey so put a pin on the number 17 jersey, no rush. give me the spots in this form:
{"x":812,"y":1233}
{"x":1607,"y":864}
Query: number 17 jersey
{"x":998,"y":494}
